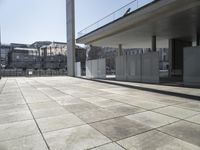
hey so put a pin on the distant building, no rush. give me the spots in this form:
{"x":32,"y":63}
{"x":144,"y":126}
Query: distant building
{"x":39,"y":55}
{"x":54,"y":56}
{"x":55,"y":48}
{"x":5,"y":49}
{"x":23,"y":58}
{"x":39,"y":44}
{"x":15,"y":45}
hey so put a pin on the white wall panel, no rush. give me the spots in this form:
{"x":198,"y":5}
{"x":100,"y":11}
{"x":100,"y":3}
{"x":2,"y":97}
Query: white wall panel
{"x":78,"y":69}
{"x":89,"y":69}
{"x":102,"y":68}
{"x":96,"y":68}
{"x":120,"y":67}
{"x":134,"y":68}
{"x":150,"y":67}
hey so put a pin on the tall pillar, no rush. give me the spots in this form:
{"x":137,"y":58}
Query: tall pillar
{"x":70,"y":37}
{"x":154,"y":46}
{"x":120,"y":51}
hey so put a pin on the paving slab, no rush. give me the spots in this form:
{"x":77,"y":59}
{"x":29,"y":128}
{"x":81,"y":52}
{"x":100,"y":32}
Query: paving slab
{"x":11,"y":90}
{"x":183,"y":130}
{"x":120,"y":128}
{"x":81,"y":94}
{"x":17,"y":130}
{"x":13,"y":108}
{"x":195,"y":106}
{"x":11,"y":96}
{"x":96,"y":115}
{"x":82,"y":107}
{"x":51,"y":112}
{"x":172,"y":99}
{"x":177,"y":112}
{"x":124,"y":109}
{"x":64,"y":102}
{"x":52,"y":92}
{"x":37,"y":98}
{"x":195,"y":119}
{"x":34,"y":142}
{"x":78,"y":138}
{"x":111,"y":146}
{"x":15,"y":117}
{"x":145,"y":104}
{"x":65,"y":97}
{"x":94,"y":99}
{"x":44,"y":105}
{"x":106,"y":103}
{"x":155,"y":140}
{"x":151,"y":119}
{"x":59,"y":122}
{"x":13,"y":101}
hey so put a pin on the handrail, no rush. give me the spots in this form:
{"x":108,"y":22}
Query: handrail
{"x":121,"y":12}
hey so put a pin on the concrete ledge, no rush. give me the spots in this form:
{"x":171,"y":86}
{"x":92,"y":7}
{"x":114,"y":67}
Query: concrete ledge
{"x":152,"y":88}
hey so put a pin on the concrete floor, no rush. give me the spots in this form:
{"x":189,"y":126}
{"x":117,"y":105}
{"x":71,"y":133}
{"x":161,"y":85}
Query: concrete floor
{"x":63,"y":113}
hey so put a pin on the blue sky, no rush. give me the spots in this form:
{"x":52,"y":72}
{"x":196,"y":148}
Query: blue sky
{"x":26,"y":21}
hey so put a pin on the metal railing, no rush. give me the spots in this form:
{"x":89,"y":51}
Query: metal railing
{"x":122,"y":12}
{"x":32,"y":72}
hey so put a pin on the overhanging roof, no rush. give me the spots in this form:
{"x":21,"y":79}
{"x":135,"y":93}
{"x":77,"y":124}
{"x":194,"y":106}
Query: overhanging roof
{"x":164,"y":18}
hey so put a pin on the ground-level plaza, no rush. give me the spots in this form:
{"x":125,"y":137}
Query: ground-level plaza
{"x":64,"y":113}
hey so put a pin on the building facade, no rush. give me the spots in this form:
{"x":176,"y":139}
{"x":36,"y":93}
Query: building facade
{"x":23,"y":58}
{"x":5,"y":49}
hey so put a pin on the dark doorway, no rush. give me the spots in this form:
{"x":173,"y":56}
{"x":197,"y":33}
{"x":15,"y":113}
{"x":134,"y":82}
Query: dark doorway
{"x":176,"y":58}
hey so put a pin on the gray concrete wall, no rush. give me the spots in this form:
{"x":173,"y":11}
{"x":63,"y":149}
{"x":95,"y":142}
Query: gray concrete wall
{"x":139,"y":67}
{"x":191,"y":75}
{"x":96,"y":69}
